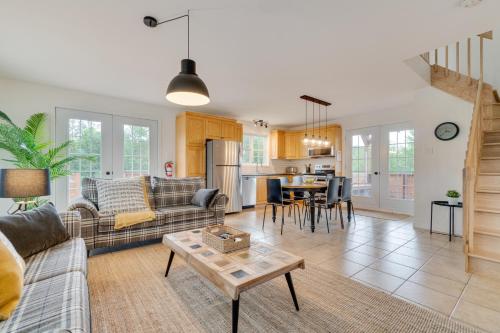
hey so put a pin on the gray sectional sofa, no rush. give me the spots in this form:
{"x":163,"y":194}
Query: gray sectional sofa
{"x":55,"y":295}
{"x":170,"y":199}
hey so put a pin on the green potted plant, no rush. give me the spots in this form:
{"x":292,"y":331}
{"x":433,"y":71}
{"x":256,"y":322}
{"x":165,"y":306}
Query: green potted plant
{"x":453,"y":197}
{"x":28,"y":149}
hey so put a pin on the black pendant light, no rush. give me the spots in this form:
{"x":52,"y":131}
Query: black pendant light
{"x":186,"y":88}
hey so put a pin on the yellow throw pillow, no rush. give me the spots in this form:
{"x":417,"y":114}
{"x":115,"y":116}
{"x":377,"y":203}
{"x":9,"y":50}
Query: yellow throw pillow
{"x":11,"y":277}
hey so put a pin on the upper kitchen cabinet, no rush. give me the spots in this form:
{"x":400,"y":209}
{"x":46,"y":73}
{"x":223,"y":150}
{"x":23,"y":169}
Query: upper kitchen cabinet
{"x":230,"y":130}
{"x":192,"y":132}
{"x":289,"y":144}
{"x":195,"y":128}
{"x":278,"y":144}
{"x":213,"y":128}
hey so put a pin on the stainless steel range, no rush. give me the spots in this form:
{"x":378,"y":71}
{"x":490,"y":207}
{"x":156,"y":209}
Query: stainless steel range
{"x":322,"y":170}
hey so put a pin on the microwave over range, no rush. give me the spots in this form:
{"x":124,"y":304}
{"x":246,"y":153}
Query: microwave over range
{"x":321,"y":152}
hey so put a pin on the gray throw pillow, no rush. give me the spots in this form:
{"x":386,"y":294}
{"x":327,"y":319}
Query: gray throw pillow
{"x":35,"y":230}
{"x":203,"y":197}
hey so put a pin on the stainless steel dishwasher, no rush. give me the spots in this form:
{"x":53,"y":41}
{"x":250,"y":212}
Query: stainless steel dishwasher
{"x":249,"y":191}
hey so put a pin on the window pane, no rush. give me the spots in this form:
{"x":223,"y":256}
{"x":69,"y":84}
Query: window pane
{"x":401,"y":164}
{"x":86,"y":140}
{"x":136,"y":145}
{"x":361,"y":165}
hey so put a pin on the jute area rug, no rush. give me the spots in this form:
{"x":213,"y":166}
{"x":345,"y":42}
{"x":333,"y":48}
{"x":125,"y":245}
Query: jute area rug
{"x":130,"y":294}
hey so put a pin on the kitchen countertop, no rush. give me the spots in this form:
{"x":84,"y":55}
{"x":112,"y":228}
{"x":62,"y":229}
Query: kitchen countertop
{"x":264,"y":174}
{"x":277,"y":174}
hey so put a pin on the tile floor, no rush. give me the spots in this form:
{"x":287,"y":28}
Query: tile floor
{"x":392,"y":256}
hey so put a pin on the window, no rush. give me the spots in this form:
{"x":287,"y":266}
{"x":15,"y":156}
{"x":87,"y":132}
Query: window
{"x":401,"y":164}
{"x":255,"y":149}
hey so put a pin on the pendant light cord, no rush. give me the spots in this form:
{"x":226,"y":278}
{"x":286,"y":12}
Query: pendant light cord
{"x":176,"y":18}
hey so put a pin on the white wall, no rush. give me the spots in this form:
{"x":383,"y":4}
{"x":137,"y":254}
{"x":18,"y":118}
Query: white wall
{"x":438,"y":164}
{"x":20,"y":99}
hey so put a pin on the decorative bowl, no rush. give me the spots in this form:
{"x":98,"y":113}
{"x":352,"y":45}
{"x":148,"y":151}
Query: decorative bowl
{"x":309,"y":180}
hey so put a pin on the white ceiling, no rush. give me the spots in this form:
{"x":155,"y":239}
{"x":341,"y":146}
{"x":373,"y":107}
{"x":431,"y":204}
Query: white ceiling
{"x":256,"y":57}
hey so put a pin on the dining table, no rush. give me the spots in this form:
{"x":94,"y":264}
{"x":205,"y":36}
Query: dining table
{"x":312,"y":189}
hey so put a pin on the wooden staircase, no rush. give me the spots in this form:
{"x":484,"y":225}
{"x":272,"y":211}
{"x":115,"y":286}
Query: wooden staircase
{"x":481,"y":174}
{"x":483,"y":241}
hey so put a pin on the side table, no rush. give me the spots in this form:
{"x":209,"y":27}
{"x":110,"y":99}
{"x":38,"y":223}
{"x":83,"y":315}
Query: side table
{"x":452,"y":215}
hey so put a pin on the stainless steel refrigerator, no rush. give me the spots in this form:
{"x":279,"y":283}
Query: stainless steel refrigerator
{"x":224,"y":171}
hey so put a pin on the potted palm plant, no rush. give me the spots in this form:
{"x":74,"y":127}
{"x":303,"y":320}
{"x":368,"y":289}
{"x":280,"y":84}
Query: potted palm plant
{"x":452,"y":197}
{"x":28,"y":150}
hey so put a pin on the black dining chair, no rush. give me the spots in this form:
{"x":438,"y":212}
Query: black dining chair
{"x":275,"y":198}
{"x":346,"y":196}
{"x":331,"y":200}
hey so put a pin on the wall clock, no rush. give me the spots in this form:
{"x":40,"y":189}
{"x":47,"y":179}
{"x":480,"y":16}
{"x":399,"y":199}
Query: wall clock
{"x":446,"y":131}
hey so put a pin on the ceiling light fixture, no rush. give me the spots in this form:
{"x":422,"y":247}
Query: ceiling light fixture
{"x":313,"y":141}
{"x":260,"y":123}
{"x":186,"y":88}
{"x":470,"y":3}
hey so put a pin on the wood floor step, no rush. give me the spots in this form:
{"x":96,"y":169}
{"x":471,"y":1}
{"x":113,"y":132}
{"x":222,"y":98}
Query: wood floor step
{"x":491,"y":124}
{"x":488,"y":182}
{"x":494,"y":257}
{"x":494,"y":144}
{"x":487,"y":244}
{"x":486,"y":221}
{"x":489,"y":173}
{"x":488,"y":191}
{"x":490,"y":157}
{"x":491,"y":137}
{"x":490,"y":211}
{"x":490,"y":201}
{"x":490,"y":151}
{"x":493,"y":232}
{"x":489,"y":165}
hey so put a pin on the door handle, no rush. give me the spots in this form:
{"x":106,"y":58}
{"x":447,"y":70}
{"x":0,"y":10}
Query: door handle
{"x":375,"y":173}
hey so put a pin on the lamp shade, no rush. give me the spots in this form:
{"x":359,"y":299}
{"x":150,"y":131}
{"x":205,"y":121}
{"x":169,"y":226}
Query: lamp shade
{"x":24,"y":183}
{"x":187,"y":88}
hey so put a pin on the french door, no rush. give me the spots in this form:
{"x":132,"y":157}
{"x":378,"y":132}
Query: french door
{"x":381,"y":164}
{"x":118,"y":146}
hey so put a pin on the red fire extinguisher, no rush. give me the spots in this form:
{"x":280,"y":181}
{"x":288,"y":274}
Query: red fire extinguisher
{"x":169,"y":169}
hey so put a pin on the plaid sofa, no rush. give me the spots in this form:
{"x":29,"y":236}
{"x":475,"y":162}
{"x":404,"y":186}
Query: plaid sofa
{"x":170,"y":199}
{"x":55,"y":295}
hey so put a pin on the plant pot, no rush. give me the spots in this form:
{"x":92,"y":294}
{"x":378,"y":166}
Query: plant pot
{"x":452,"y":201}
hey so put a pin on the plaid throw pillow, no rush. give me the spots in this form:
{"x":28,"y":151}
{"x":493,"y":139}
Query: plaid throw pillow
{"x":121,"y":195}
{"x":89,"y":190}
{"x":175,"y":191}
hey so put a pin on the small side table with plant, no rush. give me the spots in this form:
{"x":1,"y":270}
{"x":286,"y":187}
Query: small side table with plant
{"x":452,"y":203}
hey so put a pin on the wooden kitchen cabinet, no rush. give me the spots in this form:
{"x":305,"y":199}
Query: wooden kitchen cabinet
{"x":290,"y":145}
{"x":261,"y":197}
{"x":195,"y":131}
{"x":278,"y":144}
{"x":196,"y":155}
{"x":229,"y":130}
{"x":192,"y":132}
{"x":214,"y":129}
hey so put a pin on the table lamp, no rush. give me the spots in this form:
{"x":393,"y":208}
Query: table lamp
{"x":24,"y":184}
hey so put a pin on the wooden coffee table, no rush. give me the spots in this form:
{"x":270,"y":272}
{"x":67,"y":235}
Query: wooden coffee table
{"x":236,"y":271}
